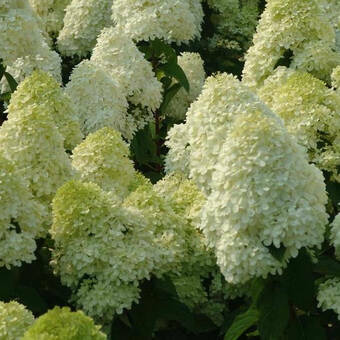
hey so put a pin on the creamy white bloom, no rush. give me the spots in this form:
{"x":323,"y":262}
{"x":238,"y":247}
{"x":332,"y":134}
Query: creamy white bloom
{"x":290,"y":26}
{"x":51,"y":13}
{"x":192,"y":65}
{"x":116,"y":53}
{"x":329,"y":295}
{"x":335,"y":235}
{"x":311,"y":112}
{"x":33,"y":143}
{"x":15,"y":319}
{"x":178,"y":157}
{"x":244,"y":159}
{"x":209,"y":119}
{"x":103,"y":158}
{"x":83,"y":21}
{"x":20,"y":219}
{"x":174,"y":21}
{"x":99,"y":100}
{"x":23,"y":45}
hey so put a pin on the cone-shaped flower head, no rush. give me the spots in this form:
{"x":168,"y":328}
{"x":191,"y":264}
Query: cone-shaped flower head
{"x":187,"y":201}
{"x":42,"y":91}
{"x":178,"y":157}
{"x":51,"y":13}
{"x":20,"y":219}
{"x":99,"y":100}
{"x":336,"y":78}
{"x":83,"y":21}
{"x":311,"y":112}
{"x":61,"y":324}
{"x":168,"y":228}
{"x":33,"y":143}
{"x":15,"y":319}
{"x":192,"y":65}
{"x":289,"y":27}
{"x":335,"y":235}
{"x":116,"y":53}
{"x":264,"y":193}
{"x":173,"y":21}
{"x":329,"y":295}
{"x":23,"y":47}
{"x":101,"y":249}
{"x":209,"y":119}
{"x":103,"y":158}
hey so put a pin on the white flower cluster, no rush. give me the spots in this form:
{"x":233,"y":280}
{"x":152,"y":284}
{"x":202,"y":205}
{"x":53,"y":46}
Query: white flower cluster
{"x":209,"y":119}
{"x":116,"y":73}
{"x":102,"y":249}
{"x":51,"y":13}
{"x":192,"y":65}
{"x":174,"y":21}
{"x":31,"y":140}
{"x":329,"y":295}
{"x":20,"y":220}
{"x":178,"y":157}
{"x":336,"y":78}
{"x":311,"y":113}
{"x":98,"y":100}
{"x":83,"y":21}
{"x":261,"y":190}
{"x":42,"y":91}
{"x":335,"y":235}
{"x":116,"y":53}
{"x":103,"y":158}
{"x":15,"y":319}
{"x":290,"y":26}
{"x":23,"y":46}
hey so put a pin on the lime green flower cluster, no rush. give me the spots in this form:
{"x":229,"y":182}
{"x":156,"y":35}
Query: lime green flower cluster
{"x":103,"y":158}
{"x":42,"y":91}
{"x":311,"y":113}
{"x":102,"y":249}
{"x":289,"y":26}
{"x":15,"y":319}
{"x":235,"y":23}
{"x":61,"y":324}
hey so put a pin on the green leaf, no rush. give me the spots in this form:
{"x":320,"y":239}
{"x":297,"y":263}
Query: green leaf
{"x":159,"y":48}
{"x":6,"y":96}
{"x":313,"y":329}
{"x":273,"y":310}
{"x":299,"y":280}
{"x":2,"y":70}
{"x":29,"y":297}
{"x":327,"y":266}
{"x":169,"y":95}
{"x":172,"y":69}
{"x":241,"y":323}
{"x":277,"y":253}
{"x":11,"y":82}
